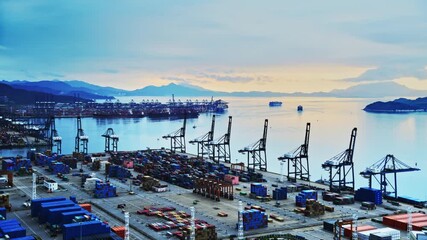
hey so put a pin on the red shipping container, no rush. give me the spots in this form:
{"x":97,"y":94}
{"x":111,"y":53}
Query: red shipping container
{"x":418,"y":226}
{"x":391,"y":221}
{"x":348,"y":232}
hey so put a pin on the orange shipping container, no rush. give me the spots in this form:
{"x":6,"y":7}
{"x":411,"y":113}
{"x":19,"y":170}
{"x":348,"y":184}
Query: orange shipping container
{"x":120,"y":231}
{"x":86,"y":206}
{"x":348,"y":232}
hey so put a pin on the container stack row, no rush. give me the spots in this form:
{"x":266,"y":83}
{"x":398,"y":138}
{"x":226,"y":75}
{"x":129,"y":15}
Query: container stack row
{"x":104,"y":190}
{"x":203,"y":232}
{"x":117,"y":171}
{"x":301,"y":198}
{"x":419,"y":221}
{"x":45,"y":160}
{"x":66,"y":216}
{"x":96,"y":229}
{"x":344,"y":200}
{"x":181,"y":170}
{"x":379,"y":234}
{"x":366,"y":194}
{"x":16,"y":164}
{"x":329,"y":196}
{"x":258,"y":190}
{"x":254,"y":219}
{"x":280,"y":193}
{"x":59,"y":167}
{"x":313,"y":208}
{"x":12,"y":228}
{"x":147,"y":183}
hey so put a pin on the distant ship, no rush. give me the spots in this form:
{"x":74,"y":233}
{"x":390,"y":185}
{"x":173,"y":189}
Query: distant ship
{"x":275,"y":104}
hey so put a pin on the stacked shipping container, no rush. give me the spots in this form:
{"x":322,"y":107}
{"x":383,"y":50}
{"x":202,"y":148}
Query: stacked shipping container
{"x":302,"y":197}
{"x":280,"y":193}
{"x":419,"y":220}
{"x":254,"y":219}
{"x":258,"y":189}
{"x":12,"y":228}
{"x":369,"y":194}
{"x":104,"y":190}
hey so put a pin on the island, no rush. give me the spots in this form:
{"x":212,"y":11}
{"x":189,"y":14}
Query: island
{"x":400,"y":105}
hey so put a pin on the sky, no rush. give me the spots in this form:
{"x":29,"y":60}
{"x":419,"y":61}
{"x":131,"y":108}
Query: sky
{"x":240,"y":45}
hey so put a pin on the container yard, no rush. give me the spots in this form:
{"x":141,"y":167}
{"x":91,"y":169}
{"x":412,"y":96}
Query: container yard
{"x":162,"y":186}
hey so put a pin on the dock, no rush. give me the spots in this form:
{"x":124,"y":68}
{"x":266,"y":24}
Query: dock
{"x":182,"y":199}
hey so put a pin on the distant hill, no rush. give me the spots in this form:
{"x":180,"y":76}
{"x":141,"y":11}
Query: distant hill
{"x":91,"y":91}
{"x":374,"y":90}
{"x":21,"y":96}
{"x":56,"y":88}
{"x":371,"y":90}
{"x":87,"y":87}
{"x":398,"y":106}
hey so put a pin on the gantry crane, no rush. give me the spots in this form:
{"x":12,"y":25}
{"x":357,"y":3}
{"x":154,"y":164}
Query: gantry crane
{"x":177,"y":138}
{"x":340,"y":167}
{"x":203,"y":142}
{"x":111,"y":140}
{"x":386,"y":165}
{"x":55,"y":139}
{"x":298,"y":159}
{"x":81,"y":138}
{"x":221,"y":146}
{"x":257,"y":152}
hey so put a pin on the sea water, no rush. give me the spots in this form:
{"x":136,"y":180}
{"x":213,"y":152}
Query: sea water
{"x":332,"y":119}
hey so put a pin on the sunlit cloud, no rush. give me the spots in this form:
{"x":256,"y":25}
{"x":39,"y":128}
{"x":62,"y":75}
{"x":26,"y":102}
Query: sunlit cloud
{"x":223,"y":45}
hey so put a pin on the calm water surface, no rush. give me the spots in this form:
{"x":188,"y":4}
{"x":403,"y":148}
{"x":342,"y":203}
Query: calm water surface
{"x":332,"y":119}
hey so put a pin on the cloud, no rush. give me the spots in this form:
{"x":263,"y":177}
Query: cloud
{"x":226,"y":78}
{"x":57,"y":75}
{"x":113,"y":71}
{"x":389,"y":73}
{"x":151,"y":38}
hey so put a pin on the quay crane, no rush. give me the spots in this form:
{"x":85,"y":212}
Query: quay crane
{"x":81,"y":138}
{"x":389,"y":164}
{"x":55,"y":139}
{"x":221,"y":146}
{"x":340,"y":167}
{"x":111,"y":139}
{"x":298,"y":159}
{"x":203,"y":147}
{"x":178,"y":138}
{"x":257,"y":152}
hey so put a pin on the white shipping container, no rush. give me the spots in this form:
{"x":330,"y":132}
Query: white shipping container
{"x":90,"y":183}
{"x":50,"y":185}
{"x":382,"y":232}
{"x":418,"y":235}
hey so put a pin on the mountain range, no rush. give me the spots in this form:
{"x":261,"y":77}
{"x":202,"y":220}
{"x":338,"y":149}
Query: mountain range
{"x":21,"y":96}
{"x":90,"y":91}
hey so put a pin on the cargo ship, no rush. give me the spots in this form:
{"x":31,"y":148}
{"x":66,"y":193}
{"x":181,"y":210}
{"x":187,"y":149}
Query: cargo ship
{"x":275,"y":104}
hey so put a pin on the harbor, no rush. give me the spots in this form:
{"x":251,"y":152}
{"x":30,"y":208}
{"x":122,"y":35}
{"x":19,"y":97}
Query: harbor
{"x":284,"y":216}
{"x":197,"y":167}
